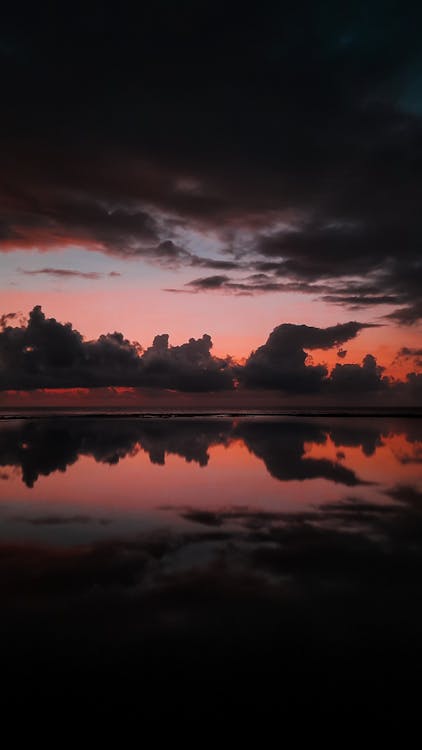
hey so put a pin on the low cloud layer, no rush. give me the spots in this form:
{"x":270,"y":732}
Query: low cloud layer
{"x":43,"y":353}
{"x":281,"y":362}
{"x":47,"y":354}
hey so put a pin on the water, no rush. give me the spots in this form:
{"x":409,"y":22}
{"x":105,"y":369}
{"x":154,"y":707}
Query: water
{"x":213,"y":554}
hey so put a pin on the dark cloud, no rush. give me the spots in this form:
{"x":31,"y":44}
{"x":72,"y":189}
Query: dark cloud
{"x":204,"y":517}
{"x":188,"y":367}
{"x":333,"y":591}
{"x":63,"y":273}
{"x":7,"y":318}
{"x":60,"y":520}
{"x":42,"y":447}
{"x":254,"y":284}
{"x":298,"y":146}
{"x":209,"y":282}
{"x":281,"y":362}
{"x":413,"y":386}
{"x":410,"y":354}
{"x":358,"y":378}
{"x":356,"y":302}
{"x":45,"y":353}
{"x":407,"y":315}
{"x":282,"y":448}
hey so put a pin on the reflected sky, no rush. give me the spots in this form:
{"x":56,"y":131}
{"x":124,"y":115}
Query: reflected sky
{"x":212,"y":542}
{"x":76,"y":479}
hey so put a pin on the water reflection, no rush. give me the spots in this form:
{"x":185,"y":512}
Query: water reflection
{"x":192,"y":548}
{"x":42,"y":446}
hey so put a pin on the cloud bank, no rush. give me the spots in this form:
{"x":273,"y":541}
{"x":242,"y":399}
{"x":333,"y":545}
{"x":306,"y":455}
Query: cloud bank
{"x":43,"y":353}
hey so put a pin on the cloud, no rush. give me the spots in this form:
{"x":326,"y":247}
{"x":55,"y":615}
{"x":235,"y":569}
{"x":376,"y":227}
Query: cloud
{"x":407,"y":315}
{"x":225,"y":601}
{"x":42,"y":447}
{"x":45,"y":353}
{"x":358,"y":378}
{"x":410,"y":354}
{"x":204,"y":517}
{"x":209,"y":282}
{"x":297,"y":144}
{"x":64,"y":273}
{"x":7,"y":318}
{"x":322,"y":188}
{"x":282,"y":448}
{"x":280,"y":363}
{"x":60,"y":520}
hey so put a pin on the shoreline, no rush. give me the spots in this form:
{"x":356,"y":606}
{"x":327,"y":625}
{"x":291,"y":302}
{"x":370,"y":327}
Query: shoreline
{"x":70,"y":413}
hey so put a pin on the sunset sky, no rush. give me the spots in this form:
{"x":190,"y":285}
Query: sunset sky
{"x":222,"y":172}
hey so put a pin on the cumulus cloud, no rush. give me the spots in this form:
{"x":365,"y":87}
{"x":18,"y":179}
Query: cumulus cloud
{"x":42,"y":353}
{"x":280,"y":363}
{"x":48,"y":354}
{"x":358,"y":378}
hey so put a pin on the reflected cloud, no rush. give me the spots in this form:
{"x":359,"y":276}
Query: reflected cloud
{"x":40,"y":447}
{"x":266,"y":581}
{"x":60,"y":520}
{"x":282,"y":448}
{"x":214,"y":591}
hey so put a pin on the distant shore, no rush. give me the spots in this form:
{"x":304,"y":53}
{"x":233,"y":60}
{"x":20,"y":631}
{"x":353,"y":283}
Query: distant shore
{"x":122,"y":413}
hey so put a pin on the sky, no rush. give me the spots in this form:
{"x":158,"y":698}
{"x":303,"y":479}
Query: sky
{"x":243,"y":181}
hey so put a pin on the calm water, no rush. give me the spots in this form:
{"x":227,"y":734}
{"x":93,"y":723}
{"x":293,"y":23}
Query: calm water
{"x":213,"y":556}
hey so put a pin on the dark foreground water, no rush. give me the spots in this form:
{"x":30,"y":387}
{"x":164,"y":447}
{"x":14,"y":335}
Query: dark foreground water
{"x":208,"y":566}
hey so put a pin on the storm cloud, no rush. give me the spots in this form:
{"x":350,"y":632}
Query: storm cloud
{"x":298,"y":145}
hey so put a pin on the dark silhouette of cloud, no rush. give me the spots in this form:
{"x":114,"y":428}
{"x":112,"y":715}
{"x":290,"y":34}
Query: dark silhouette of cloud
{"x":281,"y":362}
{"x":358,"y":378}
{"x":292,"y":134}
{"x":334,"y":590}
{"x":61,"y":520}
{"x":43,"y":353}
{"x":41,"y":447}
{"x":209,"y":282}
{"x":204,"y":517}
{"x":410,"y":354}
{"x":7,"y":318}
{"x":320,"y":187}
{"x":64,"y":273}
{"x":282,"y":448}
